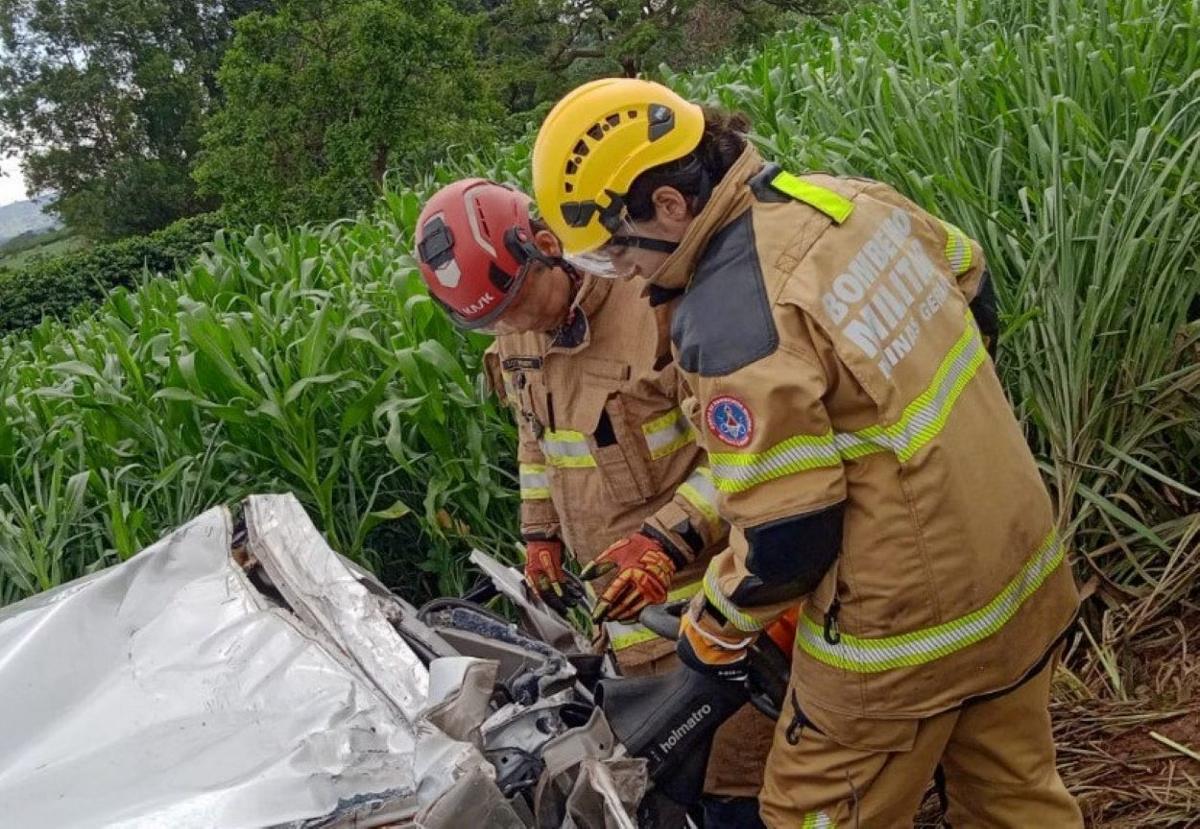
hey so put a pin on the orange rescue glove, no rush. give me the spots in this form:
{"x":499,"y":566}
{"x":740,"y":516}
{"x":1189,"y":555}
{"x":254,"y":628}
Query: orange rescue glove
{"x":544,"y":566}
{"x":706,"y":647}
{"x":644,"y":572}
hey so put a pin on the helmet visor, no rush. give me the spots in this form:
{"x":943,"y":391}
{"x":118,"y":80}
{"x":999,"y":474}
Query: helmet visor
{"x":491,"y":322}
{"x":626,"y":253}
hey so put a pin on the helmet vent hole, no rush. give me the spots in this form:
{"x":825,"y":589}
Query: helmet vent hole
{"x":571,"y":168}
{"x":581,"y":149}
{"x":483,"y":225}
{"x":596,"y":132}
{"x":569,"y":187}
{"x":632,"y":114}
{"x":613,"y":119}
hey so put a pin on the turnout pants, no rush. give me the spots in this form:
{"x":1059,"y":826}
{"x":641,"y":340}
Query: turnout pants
{"x":997,"y":755}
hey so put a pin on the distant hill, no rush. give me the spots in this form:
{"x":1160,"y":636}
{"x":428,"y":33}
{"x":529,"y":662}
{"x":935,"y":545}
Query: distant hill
{"x":25,"y":217}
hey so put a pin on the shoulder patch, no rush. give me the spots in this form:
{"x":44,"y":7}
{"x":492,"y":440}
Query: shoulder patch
{"x":730,"y":420}
{"x":724,"y":321}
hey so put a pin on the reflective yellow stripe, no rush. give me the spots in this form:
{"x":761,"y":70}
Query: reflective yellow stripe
{"x":535,"y":484}
{"x":567,"y":449}
{"x":922,"y":646}
{"x":668,"y":433}
{"x":958,"y":249}
{"x":817,"y":820}
{"x":920,"y":422}
{"x":734,"y":472}
{"x":834,"y":205}
{"x":732,"y":613}
{"x":700,"y":491}
{"x":622,"y":635}
{"x":925,"y":417}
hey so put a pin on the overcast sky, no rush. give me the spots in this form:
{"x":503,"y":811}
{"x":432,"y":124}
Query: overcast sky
{"x":12,"y":186}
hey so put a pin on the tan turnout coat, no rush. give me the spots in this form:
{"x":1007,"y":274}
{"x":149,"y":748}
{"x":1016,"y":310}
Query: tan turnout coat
{"x":827,"y":336}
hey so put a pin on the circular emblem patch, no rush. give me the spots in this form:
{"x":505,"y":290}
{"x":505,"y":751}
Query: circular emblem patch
{"x":730,"y":420}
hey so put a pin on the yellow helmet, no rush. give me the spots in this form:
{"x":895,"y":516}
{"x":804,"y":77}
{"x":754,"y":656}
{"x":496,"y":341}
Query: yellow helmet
{"x":592,"y":146}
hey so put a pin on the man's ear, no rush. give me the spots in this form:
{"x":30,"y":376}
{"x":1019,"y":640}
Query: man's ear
{"x":547,"y":243}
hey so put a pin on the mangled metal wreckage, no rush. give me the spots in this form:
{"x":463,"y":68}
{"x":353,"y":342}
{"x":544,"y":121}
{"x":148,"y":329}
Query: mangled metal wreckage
{"x":258,"y":679}
{"x":243,"y":675}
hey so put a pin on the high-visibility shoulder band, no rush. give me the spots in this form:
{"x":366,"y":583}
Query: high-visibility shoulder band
{"x":623,"y":635}
{"x":920,"y":422}
{"x":922,"y":646}
{"x":535,"y":484}
{"x":699,"y":491}
{"x":732,"y":613}
{"x":733,"y":472}
{"x":668,"y":434}
{"x":567,"y":449}
{"x":817,"y":820}
{"x":834,"y":205}
{"x":958,"y":249}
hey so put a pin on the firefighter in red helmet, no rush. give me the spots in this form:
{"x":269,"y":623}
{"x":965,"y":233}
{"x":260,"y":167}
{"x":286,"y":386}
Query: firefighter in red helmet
{"x":609,"y":466}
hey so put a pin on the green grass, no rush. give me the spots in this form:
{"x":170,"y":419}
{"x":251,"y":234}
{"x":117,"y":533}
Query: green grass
{"x":18,"y":252}
{"x":1064,"y":135}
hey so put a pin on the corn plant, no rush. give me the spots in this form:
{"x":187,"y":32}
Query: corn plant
{"x":1061,"y":134}
{"x":308,"y":362}
{"x":1065,"y":136}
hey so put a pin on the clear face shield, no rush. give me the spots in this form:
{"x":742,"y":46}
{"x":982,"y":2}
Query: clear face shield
{"x":493,"y":322}
{"x":626,"y":253}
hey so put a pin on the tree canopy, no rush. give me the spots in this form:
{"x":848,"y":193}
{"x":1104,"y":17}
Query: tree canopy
{"x":536,"y":50}
{"x":134,"y":113}
{"x":104,"y":101}
{"x":322,"y":98}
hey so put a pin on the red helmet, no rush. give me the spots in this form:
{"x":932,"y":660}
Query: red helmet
{"x":474,"y":239}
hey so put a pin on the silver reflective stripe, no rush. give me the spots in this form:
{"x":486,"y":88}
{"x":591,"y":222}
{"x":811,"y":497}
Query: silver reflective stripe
{"x":957,"y":250}
{"x":817,"y":820}
{"x":700,"y":491}
{"x":737,"y":473}
{"x":565,"y":448}
{"x":732,"y":613}
{"x":926,"y":416}
{"x":667,"y":434}
{"x":535,"y":484}
{"x":922,"y":646}
{"x":920,"y":422}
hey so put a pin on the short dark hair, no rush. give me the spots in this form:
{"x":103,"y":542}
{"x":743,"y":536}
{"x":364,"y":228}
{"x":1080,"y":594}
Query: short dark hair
{"x":697,"y":173}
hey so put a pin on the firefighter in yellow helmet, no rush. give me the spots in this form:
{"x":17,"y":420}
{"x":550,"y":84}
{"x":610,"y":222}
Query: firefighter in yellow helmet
{"x":865,"y":454}
{"x":609,"y":465}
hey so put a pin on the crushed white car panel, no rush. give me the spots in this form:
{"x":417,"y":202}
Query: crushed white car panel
{"x":169,"y":691}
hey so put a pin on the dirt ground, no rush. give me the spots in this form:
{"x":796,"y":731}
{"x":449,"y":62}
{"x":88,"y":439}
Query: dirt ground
{"x":1128,"y":732}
